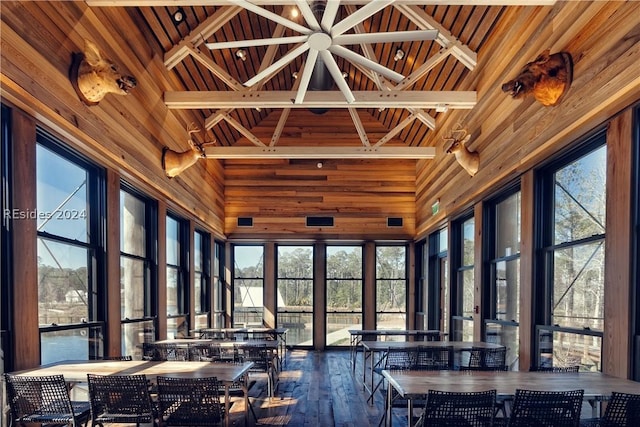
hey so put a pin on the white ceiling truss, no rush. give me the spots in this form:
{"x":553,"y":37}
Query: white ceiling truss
{"x":320,"y":39}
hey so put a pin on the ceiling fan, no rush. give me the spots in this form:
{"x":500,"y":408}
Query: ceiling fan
{"x":321,"y":38}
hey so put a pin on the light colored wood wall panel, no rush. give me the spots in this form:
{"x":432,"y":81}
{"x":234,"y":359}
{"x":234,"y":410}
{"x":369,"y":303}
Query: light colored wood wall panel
{"x":618,"y":263}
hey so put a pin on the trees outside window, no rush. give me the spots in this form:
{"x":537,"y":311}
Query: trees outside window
{"x":344,"y":292}
{"x":294,"y":296}
{"x":391,"y":287}
{"x":572,"y":317}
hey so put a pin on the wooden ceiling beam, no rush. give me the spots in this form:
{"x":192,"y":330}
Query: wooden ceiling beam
{"x":425,"y":22}
{"x":216,"y":152}
{"x":150,"y":3}
{"x":322,"y":99}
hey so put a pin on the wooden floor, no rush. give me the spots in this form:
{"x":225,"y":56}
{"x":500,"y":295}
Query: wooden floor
{"x":317,"y":389}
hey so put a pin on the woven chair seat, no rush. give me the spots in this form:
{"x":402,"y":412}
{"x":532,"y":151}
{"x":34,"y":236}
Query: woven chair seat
{"x":190,"y":401}
{"x":120,"y":399}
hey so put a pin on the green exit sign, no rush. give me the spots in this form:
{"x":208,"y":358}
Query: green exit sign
{"x":435,"y":207}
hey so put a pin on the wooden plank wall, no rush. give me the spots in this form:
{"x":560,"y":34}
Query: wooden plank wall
{"x":359,"y":194}
{"x":513,"y":136}
{"x":123,"y":133}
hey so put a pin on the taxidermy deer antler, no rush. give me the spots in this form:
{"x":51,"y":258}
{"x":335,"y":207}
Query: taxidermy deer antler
{"x":174,"y":163}
{"x":456,"y":140}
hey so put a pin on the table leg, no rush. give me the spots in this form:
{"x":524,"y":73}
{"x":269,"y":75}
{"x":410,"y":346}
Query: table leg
{"x":388,"y":421}
{"x":226,"y":404}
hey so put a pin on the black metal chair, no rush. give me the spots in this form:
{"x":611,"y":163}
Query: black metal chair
{"x":533,"y":408}
{"x":486,"y":359}
{"x":120,"y":399}
{"x":189,"y":402}
{"x":164,"y":352}
{"x":123,"y":358}
{"x":623,"y":410}
{"x":43,"y":400}
{"x":556,"y":369}
{"x":452,"y":409}
{"x":433,"y":358}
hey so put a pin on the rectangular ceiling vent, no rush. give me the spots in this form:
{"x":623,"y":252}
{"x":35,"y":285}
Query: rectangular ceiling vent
{"x":394,"y":222}
{"x":319,"y":221}
{"x":245,"y":221}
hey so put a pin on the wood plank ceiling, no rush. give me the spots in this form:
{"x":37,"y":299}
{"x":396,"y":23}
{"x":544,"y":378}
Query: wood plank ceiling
{"x":439,"y":65}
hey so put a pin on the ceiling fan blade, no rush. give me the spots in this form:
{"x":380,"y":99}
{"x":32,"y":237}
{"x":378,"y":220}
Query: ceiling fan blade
{"x":312,"y":56}
{"x":350,"y":55}
{"x":288,"y":57}
{"x":308,"y":15}
{"x":330,"y":12}
{"x":271,"y":16}
{"x":256,"y":42}
{"x":333,"y":68}
{"x":358,"y":16}
{"x":386,"y":37}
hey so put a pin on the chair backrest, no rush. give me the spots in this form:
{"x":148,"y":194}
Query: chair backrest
{"x":123,"y":358}
{"x":189,"y":401}
{"x":164,"y":351}
{"x":486,"y":359}
{"x":454,"y":409}
{"x":120,"y":398}
{"x":41,"y":399}
{"x":399,"y":358}
{"x":623,"y":409}
{"x":201,"y":352}
{"x":433,"y":358}
{"x":556,"y":369}
{"x":546,"y":408}
{"x":260,"y":355}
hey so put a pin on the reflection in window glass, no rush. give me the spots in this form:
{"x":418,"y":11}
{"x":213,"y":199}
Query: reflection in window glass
{"x":73,"y":344}
{"x":344,"y":292}
{"x":175,"y":269}
{"x":508,"y":226}
{"x":63,"y":279}
{"x":294,"y":295}
{"x":62,"y":196}
{"x":580,"y":205}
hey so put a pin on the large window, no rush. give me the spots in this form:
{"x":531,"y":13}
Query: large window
{"x":501,"y":309}
{"x":435,"y":296}
{"x":202,"y":278}
{"x":70,"y":200}
{"x":344,"y":292}
{"x":295,"y":293}
{"x":571,"y":313}
{"x":248,"y":285}
{"x":391,"y":287}
{"x":462,"y":306}
{"x":177,"y":277}
{"x":5,"y":241}
{"x":138,"y":270}
{"x":218,"y":287}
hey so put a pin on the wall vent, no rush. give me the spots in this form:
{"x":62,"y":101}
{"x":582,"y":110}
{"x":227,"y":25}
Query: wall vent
{"x":394,"y":222}
{"x":319,"y":221}
{"x":245,"y":221}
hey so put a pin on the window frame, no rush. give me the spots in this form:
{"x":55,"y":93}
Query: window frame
{"x":456,"y":280}
{"x":182,"y":274}
{"x":205,"y":275}
{"x":94,"y":326}
{"x":150,"y":261}
{"x":235,"y":278}
{"x":545,"y":245}
{"x":404,"y":279}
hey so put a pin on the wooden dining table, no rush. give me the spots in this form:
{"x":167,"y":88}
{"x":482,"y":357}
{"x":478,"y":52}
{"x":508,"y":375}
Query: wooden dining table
{"x":372,"y":350}
{"x":358,"y":335}
{"x":272,"y":371}
{"x":76,"y":372}
{"x":412,"y":385}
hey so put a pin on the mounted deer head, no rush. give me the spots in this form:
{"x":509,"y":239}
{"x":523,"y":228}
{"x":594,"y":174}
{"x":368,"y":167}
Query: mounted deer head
{"x":455,"y":142}
{"x":548,"y":77}
{"x":93,"y":75}
{"x":173,"y":163}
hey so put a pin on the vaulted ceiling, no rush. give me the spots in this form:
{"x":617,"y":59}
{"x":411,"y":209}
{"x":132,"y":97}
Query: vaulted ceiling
{"x":259,"y":102}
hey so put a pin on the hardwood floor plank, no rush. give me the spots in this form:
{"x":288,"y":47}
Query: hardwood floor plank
{"x":316,"y":389}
